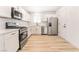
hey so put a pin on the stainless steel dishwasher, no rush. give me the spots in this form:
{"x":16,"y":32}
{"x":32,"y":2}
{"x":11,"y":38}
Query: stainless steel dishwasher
{"x":43,"y":30}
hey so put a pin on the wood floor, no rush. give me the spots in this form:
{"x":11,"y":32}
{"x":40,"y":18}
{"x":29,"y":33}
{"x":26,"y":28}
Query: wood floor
{"x":44,"y":43}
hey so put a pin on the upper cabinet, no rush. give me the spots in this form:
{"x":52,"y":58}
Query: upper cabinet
{"x":16,"y":8}
{"x":25,"y":14}
{"x":5,"y":11}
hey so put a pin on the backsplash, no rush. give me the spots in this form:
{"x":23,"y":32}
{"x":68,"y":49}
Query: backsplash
{"x":2,"y":23}
{"x":19,"y":22}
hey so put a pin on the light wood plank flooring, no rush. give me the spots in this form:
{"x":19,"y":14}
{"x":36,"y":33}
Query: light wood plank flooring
{"x":44,"y":43}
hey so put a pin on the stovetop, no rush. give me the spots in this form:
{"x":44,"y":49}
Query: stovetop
{"x":15,"y":27}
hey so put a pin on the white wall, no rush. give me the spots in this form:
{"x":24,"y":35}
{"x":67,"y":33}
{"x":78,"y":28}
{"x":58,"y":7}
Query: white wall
{"x":26,"y":16}
{"x":48,"y":15}
{"x":70,"y":17}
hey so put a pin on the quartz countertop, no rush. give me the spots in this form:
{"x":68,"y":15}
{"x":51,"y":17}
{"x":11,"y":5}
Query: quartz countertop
{"x":5,"y":31}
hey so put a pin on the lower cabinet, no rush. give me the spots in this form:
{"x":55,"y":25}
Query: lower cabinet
{"x":11,"y":42}
{"x":36,"y":30}
{"x":1,"y":43}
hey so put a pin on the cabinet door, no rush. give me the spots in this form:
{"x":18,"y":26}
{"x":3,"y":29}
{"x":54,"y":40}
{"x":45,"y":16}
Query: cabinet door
{"x":5,"y":11}
{"x":36,"y":29}
{"x":1,"y":44}
{"x":12,"y":42}
{"x":25,"y":14}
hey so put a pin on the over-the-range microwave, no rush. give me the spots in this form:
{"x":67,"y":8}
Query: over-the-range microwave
{"x":16,"y":14}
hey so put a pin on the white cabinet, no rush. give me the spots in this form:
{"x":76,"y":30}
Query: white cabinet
{"x":11,"y":41}
{"x":16,"y":8}
{"x":5,"y":11}
{"x":25,"y":14}
{"x":36,"y":29}
{"x":1,"y":43}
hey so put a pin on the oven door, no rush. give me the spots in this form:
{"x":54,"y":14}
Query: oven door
{"x":23,"y":35}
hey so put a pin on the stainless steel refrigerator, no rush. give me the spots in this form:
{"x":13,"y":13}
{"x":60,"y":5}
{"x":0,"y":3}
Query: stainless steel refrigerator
{"x":52,"y":26}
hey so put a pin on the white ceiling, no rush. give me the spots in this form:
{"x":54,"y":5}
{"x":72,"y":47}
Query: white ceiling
{"x":41,"y":8}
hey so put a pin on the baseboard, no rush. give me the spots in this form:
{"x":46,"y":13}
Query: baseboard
{"x":35,"y":34}
{"x":46,"y":34}
{"x":72,"y":43}
{"x":52,"y":34}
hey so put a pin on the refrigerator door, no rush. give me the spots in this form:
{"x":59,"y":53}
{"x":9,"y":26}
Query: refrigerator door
{"x":52,"y":26}
{"x":49,"y":30}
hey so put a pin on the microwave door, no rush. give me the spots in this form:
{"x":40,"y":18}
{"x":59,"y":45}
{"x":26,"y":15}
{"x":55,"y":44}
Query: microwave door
{"x":16,"y":14}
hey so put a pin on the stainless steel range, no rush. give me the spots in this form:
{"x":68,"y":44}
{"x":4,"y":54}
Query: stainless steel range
{"x":23,"y":33}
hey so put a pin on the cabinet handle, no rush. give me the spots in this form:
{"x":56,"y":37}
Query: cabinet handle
{"x":64,"y":25}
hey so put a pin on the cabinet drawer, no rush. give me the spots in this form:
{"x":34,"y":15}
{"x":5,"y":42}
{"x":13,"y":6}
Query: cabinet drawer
{"x":14,"y":33}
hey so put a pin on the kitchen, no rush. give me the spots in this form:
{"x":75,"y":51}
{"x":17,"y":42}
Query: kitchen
{"x":14,"y":28}
{"x":20,"y":24}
